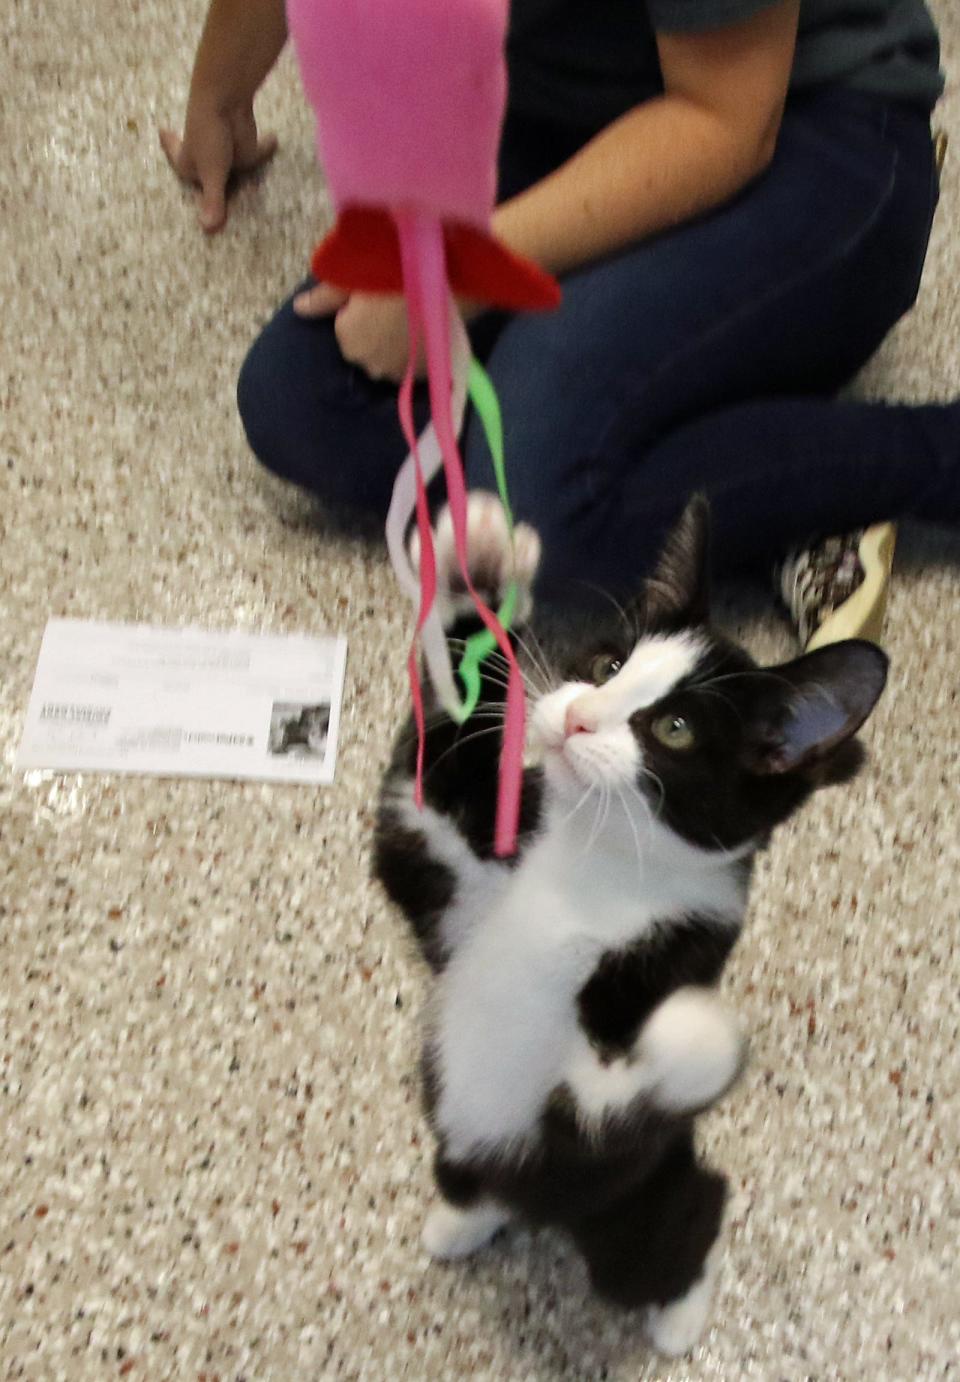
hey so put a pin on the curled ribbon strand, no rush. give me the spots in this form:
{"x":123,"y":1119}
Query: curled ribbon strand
{"x":424,"y":268}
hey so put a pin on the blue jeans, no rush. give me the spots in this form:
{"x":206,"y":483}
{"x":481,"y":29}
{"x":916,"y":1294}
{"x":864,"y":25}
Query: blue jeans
{"x":703,"y":358}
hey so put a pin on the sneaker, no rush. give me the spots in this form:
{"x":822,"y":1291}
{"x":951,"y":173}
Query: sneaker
{"x":939,"y":148}
{"x":836,"y":588}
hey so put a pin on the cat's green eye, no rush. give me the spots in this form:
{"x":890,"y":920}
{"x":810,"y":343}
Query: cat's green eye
{"x":674,"y":732}
{"x":603,"y":667}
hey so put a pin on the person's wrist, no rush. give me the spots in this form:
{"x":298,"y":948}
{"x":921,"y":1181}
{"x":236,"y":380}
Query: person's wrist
{"x":215,"y":99}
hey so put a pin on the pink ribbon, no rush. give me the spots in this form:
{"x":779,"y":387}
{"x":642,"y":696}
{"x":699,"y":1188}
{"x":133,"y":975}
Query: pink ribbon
{"x":425,"y":280}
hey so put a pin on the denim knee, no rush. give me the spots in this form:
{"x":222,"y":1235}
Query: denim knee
{"x":289,"y":395}
{"x":314,"y":419}
{"x":257,"y":404}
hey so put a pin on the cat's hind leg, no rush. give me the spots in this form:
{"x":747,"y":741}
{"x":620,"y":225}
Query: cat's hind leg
{"x":675,"y":1328}
{"x":656,"y":1249}
{"x":450,"y":1232}
{"x":465,"y":1217}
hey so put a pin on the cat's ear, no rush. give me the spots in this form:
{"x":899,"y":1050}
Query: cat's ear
{"x":678,"y":591}
{"x":807,"y":709}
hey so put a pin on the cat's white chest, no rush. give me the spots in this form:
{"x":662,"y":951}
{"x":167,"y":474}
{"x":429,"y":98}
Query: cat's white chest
{"x":503,"y":1027}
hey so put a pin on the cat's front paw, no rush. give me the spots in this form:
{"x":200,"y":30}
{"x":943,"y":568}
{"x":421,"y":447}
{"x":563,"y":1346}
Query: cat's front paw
{"x":492,"y":561}
{"x":693,"y":1049}
{"x":449,"y":1232}
{"x":688,"y":1053}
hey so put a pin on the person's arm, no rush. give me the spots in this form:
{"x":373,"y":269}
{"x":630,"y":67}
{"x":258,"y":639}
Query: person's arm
{"x":241,"y":41}
{"x":711,"y":133}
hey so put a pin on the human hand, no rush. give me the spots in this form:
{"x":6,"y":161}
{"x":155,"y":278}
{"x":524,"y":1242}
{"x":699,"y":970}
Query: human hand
{"x":371,"y":328}
{"x":216,"y":144}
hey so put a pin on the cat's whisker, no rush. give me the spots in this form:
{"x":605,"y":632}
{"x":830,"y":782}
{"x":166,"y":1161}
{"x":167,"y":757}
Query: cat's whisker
{"x":596,"y":819}
{"x":661,"y":790}
{"x":603,"y":810}
{"x":431,"y":719}
{"x":706,"y":689}
{"x":636,"y":836}
{"x":491,"y":705}
{"x":539,"y":685}
{"x":530,"y":682}
{"x":646,"y":810}
{"x":650,"y":816}
{"x":628,"y":623}
{"x":488,"y":675}
{"x":570,"y":814}
{"x":459,"y":744}
{"x":533,"y":648}
{"x":747,"y":674}
{"x":725,"y":852}
{"x":534,"y":687}
{"x":495,"y":657}
{"x":484,"y":710}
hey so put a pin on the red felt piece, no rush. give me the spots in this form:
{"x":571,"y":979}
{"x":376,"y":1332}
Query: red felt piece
{"x":362,"y":254}
{"x":482,"y":269}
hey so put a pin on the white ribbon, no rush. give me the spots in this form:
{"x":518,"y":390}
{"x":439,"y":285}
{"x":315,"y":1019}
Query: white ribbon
{"x":403,"y":503}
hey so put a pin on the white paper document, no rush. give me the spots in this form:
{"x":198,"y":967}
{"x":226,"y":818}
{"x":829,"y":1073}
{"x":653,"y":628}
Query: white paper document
{"x":132,"y":698}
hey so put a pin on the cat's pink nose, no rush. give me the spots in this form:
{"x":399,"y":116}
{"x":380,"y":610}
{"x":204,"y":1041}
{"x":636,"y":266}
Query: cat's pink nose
{"x":576,"y":722}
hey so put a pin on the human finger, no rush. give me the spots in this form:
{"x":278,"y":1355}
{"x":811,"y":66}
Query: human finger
{"x":180,"y":162}
{"x":319,"y":301}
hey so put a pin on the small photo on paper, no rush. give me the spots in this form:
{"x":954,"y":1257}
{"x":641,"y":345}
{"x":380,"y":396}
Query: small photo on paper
{"x":298,"y":730}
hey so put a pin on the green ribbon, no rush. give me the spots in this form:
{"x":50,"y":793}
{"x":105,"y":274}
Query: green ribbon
{"x":483,"y":396}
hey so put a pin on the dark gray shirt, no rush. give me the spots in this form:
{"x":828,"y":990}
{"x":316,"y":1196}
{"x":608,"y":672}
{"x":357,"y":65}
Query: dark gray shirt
{"x":584,"y":62}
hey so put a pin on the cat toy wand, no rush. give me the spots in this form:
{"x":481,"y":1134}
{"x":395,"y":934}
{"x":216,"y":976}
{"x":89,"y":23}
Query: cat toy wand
{"x":409,"y":98}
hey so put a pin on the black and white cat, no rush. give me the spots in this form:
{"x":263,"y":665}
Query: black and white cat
{"x":573,"y":1029}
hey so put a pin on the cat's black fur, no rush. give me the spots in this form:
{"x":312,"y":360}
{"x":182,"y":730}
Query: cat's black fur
{"x":642,"y":1210}
{"x":628,"y":984}
{"x":635,"y":1199}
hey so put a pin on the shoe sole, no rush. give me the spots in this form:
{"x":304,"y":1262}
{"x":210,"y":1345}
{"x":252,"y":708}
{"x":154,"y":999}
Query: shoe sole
{"x":862,"y":615}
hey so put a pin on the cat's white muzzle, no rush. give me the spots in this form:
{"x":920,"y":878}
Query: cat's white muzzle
{"x":575,"y":757}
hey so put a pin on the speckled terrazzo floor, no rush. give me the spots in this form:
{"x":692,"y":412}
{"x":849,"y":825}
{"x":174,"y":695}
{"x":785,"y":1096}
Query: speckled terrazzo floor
{"x":212,"y":1163}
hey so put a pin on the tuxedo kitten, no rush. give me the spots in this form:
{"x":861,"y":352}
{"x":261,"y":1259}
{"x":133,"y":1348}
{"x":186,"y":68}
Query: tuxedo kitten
{"x":573,"y":1030}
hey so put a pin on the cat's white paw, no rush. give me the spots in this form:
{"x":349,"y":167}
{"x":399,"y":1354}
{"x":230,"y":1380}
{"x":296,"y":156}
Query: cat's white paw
{"x":693,"y":1049}
{"x":688,"y":1052}
{"x":492,"y":561}
{"x":450,"y":1233}
{"x":676,"y":1328}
